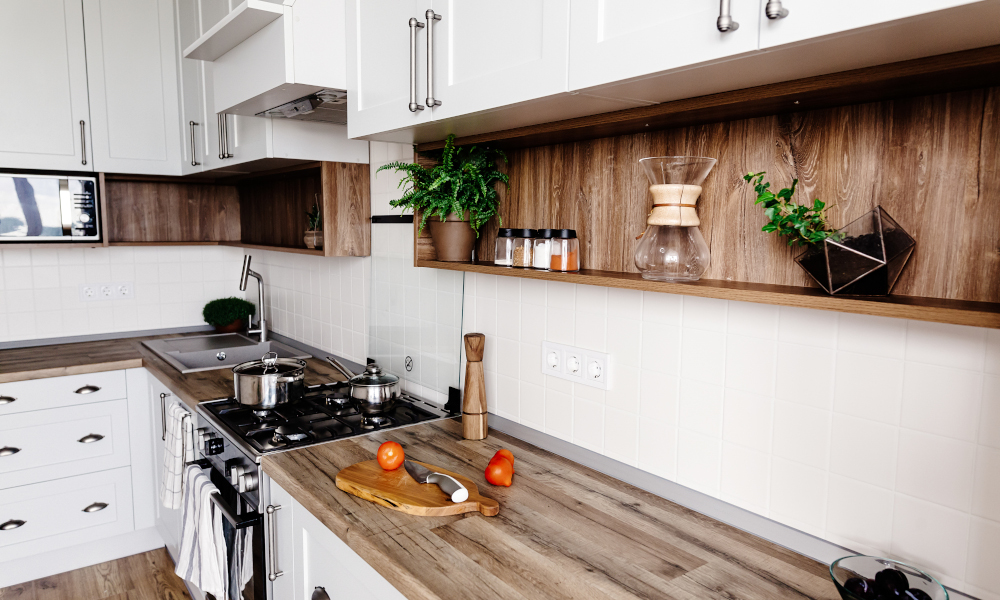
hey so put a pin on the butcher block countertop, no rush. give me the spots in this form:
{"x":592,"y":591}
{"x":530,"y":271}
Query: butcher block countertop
{"x":564,"y":531}
{"x":38,"y":362}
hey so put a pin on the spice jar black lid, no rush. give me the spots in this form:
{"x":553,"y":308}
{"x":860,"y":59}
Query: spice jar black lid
{"x":565,"y":234}
{"x":546,"y":233}
{"x":524,"y":233}
{"x":505,"y":232}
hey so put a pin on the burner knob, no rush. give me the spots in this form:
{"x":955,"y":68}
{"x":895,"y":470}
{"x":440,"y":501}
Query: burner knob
{"x":248,"y":482}
{"x":213,"y":446}
{"x":236,"y":473}
{"x":202,"y":436}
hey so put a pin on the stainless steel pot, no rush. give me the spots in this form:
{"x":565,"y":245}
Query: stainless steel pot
{"x":372,"y":392}
{"x":270,"y":381}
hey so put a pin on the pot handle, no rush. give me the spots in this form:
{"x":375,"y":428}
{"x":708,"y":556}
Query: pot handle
{"x":269,"y":360}
{"x":340,"y":367}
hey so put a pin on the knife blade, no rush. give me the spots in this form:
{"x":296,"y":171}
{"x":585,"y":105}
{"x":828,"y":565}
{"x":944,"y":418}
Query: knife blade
{"x":449,"y":485}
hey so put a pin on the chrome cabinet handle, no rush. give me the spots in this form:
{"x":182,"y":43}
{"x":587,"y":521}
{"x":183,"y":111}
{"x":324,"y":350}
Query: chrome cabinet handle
{"x":96,"y":506}
{"x":87,"y":389}
{"x":320,"y":593}
{"x":194,"y":161}
{"x":431,"y":17}
{"x":12,"y":524}
{"x":225,"y":137}
{"x":8,"y":450}
{"x":163,"y":414}
{"x":218,"y":121}
{"x":6,"y":400}
{"x":83,"y":141}
{"x":90,"y":438}
{"x":272,"y":557}
{"x":726,"y":22}
{"x":414,"y":26}
{"x":774,"y":10}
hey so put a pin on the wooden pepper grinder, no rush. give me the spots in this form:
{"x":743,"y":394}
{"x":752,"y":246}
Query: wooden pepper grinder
{"x":474,"y":404}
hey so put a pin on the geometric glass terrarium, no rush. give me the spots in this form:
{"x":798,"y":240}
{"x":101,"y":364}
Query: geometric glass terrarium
{"x":864,"y":258}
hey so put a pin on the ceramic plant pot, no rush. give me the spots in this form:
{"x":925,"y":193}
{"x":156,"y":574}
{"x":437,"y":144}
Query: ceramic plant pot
{"x":863,"y":259}
{"x":453,"y":238}
{"x":314,"y":239}
{"x":237,"y":326}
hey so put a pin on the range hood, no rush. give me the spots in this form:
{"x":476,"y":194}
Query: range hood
{"x":327,"y":106}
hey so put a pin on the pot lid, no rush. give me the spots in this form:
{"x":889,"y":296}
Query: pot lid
{"x":374,"y":377}
{"x":270,"y":364}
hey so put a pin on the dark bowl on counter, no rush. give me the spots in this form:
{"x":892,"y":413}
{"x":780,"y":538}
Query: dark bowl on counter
{"x":862,"y":577}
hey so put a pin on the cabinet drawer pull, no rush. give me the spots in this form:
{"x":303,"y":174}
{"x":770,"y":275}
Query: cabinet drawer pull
{"x":726,"y":22}
{"x":194,"y":159}
{"x":83,"y":142}
{"x":90,"y":438}
{"x":414,"y":26}
{"x":88,"y":389}
{"x":320,"y":593}
{"x":8,"y":450}
{"x":6,"y":400}
{"x":774,"y":10}
{"x":431,"y":17}
{"x":12,"y":524}
{"x":163,"y":414}
{"x":96,"y":506}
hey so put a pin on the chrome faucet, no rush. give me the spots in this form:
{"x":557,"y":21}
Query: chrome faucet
{"x":261,"y":320}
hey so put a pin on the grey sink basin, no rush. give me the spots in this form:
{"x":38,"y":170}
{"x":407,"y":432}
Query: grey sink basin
{"x":218,"y":351}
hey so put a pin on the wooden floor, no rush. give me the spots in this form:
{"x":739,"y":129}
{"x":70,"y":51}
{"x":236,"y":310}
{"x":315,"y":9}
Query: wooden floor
{"x":148,"y":576}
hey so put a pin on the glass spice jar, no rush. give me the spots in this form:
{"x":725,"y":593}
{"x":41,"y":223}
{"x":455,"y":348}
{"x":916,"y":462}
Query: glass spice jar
{"x":504,"y":256}
{"x":564,"y":251}
{"x":523,"y":239}
{"x":540,"y":255}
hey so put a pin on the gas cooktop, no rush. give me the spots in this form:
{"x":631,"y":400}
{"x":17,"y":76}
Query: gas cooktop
{"x":324,"y":414}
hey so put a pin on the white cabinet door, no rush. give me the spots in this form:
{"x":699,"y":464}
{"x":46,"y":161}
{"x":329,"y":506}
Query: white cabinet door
{"x":809,"y":19}
{"x":43,"y":97}
{"x":193,"y":150}
{"x":323,"y":560}
{"x":491,"y":54}
{"x":168,"y":520}
{"x":614,"y":41}
{"x":378,"y":65}
{"x":132,"y":78}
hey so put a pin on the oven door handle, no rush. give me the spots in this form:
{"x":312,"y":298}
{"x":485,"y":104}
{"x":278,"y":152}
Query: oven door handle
{"x":238,"y":521}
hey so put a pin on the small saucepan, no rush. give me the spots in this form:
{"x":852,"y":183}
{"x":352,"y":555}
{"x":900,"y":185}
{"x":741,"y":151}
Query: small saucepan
{"x":372,"y":392}
{"x":270,"y":381}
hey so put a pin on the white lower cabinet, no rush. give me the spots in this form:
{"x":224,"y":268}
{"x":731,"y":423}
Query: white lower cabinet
{"x":168,"y":520}
{"x":322,"y":565}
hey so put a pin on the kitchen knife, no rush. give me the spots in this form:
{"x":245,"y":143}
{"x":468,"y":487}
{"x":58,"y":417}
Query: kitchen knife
{"x":449,"y":485}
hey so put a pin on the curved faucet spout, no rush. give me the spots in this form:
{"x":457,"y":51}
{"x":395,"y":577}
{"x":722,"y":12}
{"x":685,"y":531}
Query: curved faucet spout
{"x":247,"y":273}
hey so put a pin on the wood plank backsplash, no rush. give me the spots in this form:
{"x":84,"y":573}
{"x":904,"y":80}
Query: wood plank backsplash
{"x":172,"y":211}
{"x":933,"y":162}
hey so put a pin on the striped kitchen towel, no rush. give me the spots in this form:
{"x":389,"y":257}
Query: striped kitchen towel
{"x":178,"y":449}
{"x":202,"y":556}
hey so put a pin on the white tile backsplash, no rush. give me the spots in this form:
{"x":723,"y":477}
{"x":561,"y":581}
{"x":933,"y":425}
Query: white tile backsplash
{"x":854,"y":429}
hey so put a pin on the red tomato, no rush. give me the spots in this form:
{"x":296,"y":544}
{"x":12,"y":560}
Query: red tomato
{"x":500,"y":471}
{"x":390,"y":456}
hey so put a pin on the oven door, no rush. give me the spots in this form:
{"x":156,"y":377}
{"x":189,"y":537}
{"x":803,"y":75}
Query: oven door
{"x":240,"y":516}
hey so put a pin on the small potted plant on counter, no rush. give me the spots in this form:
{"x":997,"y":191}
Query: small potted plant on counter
{"x":864,"y":258}
{"x":228,"y":315}
{"x":456,"y":197}
{"x":314,"y":233}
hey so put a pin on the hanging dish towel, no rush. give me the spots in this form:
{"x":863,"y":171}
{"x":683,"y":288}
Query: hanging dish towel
{"x":202,"y":555}
{"x":239,"y":545}
{"x":177,"y":452}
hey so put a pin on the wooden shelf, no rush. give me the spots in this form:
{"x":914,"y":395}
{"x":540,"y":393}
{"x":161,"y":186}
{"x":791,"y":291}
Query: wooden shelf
{"x":163,"y":243}
{"x":312,"y":252}
{"x":242,"y":22}
{"x":957,"y":312}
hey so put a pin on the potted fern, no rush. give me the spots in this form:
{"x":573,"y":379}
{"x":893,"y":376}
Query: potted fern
{"x":314,"y":221}
{"x":864,"y":258}
{"x":456,"y":197}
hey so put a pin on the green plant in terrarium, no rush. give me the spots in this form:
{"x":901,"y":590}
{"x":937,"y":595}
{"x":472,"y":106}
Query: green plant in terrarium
{"x":463,"y":181}
{"x":803,"y":225}
{"x":314,"y":219}
{"x":223,"y":311}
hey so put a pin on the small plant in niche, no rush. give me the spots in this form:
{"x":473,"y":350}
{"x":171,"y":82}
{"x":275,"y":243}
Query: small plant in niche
{"x":314,"y":224}
{"x":228,"y":315}
{"x":865,"y":258}
{"x":460,"y":191}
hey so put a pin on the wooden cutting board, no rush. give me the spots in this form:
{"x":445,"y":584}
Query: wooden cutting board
{"x":398,"y":491}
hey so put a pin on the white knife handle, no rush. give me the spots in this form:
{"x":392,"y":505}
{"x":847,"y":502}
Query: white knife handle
{"x":450,"y":486}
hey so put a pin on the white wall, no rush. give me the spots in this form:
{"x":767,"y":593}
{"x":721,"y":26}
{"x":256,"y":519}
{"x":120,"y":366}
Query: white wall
{"x":40,"y":295}
{"x":882,"y":435}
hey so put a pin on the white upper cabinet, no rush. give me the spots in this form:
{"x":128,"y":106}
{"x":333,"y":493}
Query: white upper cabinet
{"x":43,"y":98}
{"x":492,"y":54}
{"x":194,"y":151}
{"x":380,"y":68}
{"x":132,"y":76}
{"x":617,"y":40}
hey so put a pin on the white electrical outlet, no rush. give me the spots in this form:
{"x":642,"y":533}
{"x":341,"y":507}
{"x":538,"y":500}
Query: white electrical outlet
{"x":576,"y":364}
{"x":88,"y":292}
{"x":106,"y":291}
{"x":123,"y":290}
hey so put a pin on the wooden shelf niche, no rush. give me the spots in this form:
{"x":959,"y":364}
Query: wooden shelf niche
{"x":264,"y":211}
{"x":928,"y":160}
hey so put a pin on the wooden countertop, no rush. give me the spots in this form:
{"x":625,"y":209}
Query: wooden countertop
{"x":564,"y":530}
{"x":39,"y":362}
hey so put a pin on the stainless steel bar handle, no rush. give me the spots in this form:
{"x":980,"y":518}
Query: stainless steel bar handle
{"x":6,"y":400}
{"x":163,"y":414}
{"x":12,"y":524}
{"x":272,"y":557}
{"x":8,"y":450}
{"x":431,"y":17}
{"x":225,"y":136}
{"x":726,"y":22}
{"x":414,"y":26}
{"x":774,"y":10}
{"x":88,"y":389}
{"x":194,"y":161}
{"x":90,"y":438}
{"x":83,"y":141}
{"x":96,"y":506}
{"x":218,"y":120}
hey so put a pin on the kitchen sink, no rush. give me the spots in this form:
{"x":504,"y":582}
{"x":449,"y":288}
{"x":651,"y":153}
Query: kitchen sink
{"x":218,"y":351}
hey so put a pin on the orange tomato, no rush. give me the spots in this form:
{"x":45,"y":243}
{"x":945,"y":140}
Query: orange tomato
{"x":500,"y":471}
{"x":390,"y":456}
{"x":503,"y":458}
{"x":506,"y":454}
